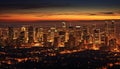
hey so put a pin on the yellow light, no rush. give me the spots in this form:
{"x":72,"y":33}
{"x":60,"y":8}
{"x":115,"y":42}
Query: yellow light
{"x":95,"y":48}
{"x":34,"y":17}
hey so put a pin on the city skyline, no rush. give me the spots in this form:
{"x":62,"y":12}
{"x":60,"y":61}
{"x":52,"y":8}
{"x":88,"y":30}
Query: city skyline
{"x":87,"y":36}
{"x":50,"y":10}
{"x":59,"y":34}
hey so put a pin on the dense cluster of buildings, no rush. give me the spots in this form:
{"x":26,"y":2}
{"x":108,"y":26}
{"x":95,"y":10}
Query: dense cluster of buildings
{"x":84,"y":37}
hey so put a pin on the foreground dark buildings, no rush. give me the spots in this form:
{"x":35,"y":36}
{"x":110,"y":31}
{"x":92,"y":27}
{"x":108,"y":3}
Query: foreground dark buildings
{"x":89,"y":59}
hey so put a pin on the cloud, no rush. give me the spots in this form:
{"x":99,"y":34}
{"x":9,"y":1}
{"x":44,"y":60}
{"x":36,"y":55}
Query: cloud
{"x":105,"y":13}
{"x":30,"y":6}
{"x":108,"y":13}
{"x":91,"y":14}
{"x":19,"y":8}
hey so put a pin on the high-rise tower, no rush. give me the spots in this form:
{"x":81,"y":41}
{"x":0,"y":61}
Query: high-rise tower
{"x":30,"y":34}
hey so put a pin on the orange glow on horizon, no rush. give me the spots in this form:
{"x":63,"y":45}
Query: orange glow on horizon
{"x":30,"y":17}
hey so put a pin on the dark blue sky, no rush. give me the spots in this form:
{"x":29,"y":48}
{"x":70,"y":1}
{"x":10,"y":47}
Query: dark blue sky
{"x":59,"y":3}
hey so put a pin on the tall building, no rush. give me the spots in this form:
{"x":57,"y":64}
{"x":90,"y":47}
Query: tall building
{"x":71,"y":30}
{"x":85,"y":34}
{"x":64,"y":25}
{"x":78,"y":35}
{"x":56,"y":41}
{"x":92,"y":27}
{"x":91,"y":33}
{"x":16,"y":33}
{"x":97,"y":37}
{"x":51,"y":35}
{"x":10,"y":33}
{"x":71,"y":41}
{"x":112,"y":42}
{"x":30,"y":34}
{"x":36,"y":34}
{"x":106,"y":28}
{"x":62,"y":38}
{"x":39,"y":34}
{"x":45,"y":40}
{"x":23,"y":36}
{"x":104,"y":39}
{"x":112,"y":29}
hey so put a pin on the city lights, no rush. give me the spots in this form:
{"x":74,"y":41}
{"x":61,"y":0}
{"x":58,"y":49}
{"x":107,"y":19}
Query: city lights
{"x":59,"y":34}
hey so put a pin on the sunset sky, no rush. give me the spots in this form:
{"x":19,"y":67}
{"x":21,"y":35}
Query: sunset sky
{"x":39,"y":10}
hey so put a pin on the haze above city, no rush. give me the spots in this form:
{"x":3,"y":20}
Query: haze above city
{"x":50,"y":10}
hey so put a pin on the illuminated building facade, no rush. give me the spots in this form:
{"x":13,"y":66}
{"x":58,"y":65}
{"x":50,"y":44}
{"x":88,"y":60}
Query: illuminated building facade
{"x":10,"y":33}
{"x":30,"y":34}
{"x":84,"y":37}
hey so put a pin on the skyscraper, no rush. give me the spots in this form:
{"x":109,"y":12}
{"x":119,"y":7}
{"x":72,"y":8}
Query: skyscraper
{"x":78,"y":35}
{"x":10,"y":33}
{"x":45,"y":42}
{"x":106,"y":29}
{"x":85,"y":35}
{"x":23,"y":36}
{"x":112,"y":29}
{"x":62,"y":38}
{"x":30,"y":34}
{"x":97,"y":38}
